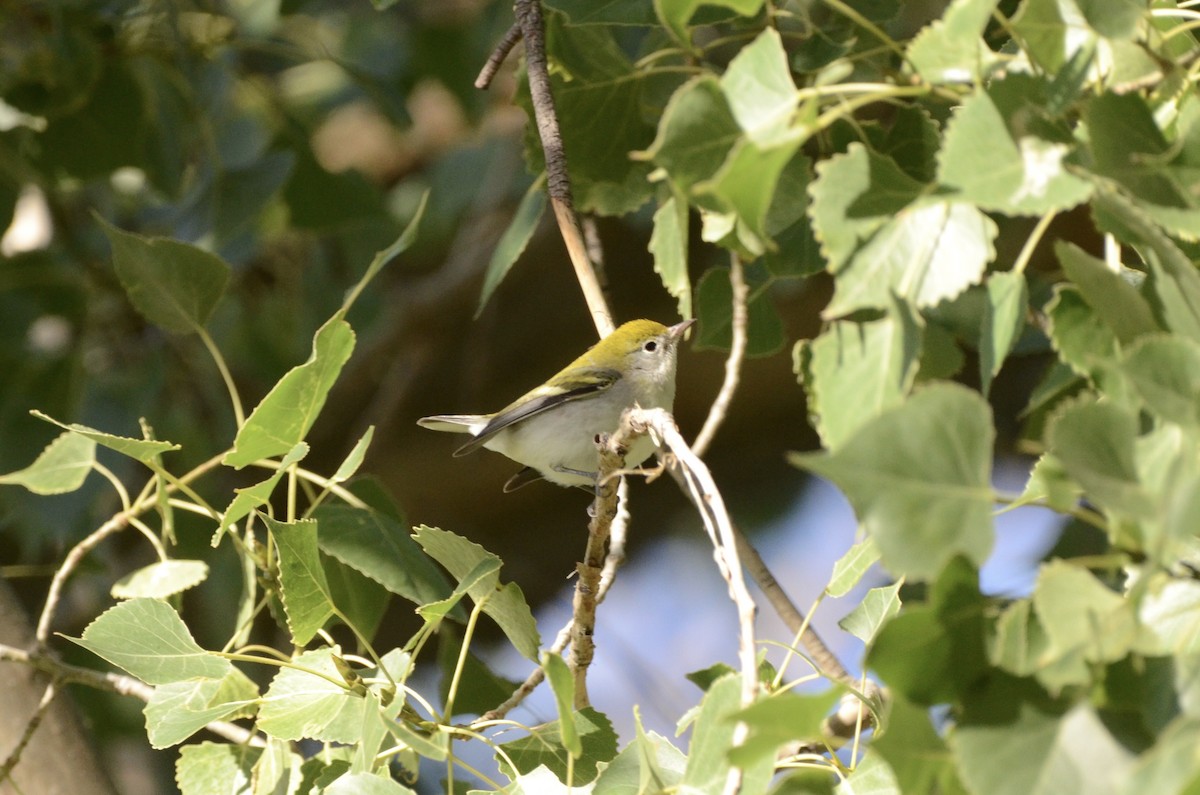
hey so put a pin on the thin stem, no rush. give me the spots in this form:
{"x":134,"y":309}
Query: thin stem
{"x":118,"y":486}
{"x":1032,"y":241}
{"x":239,"y":415}
{"x":461,"y":664}
{"x":31,"y":727}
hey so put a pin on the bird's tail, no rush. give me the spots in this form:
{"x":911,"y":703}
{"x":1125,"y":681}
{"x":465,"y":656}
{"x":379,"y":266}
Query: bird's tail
{"x":454,"y":423}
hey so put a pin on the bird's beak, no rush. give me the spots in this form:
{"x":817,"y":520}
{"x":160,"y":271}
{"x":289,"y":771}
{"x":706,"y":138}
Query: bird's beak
{"x":678,"y":329}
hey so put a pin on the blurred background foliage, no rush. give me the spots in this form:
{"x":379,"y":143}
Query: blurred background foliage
{"x":294,"y":138}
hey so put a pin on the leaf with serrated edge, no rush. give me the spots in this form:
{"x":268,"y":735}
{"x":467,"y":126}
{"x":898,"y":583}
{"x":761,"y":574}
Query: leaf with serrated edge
{"x":505,"y":605}
{"x":514,"y":240}
{"x":378,"y":547}
{"x":303,"y":587}
{"x":354,"y":458}
{"x":144,"y":450}
{"x":282,"y":419}
{"x":562,"y":684}
{"x":180,"y":709}
{"x":249,"y":498}
{"x":160,"y":580}
{"x":851,"y":567}
{"x":872,"y":612}
{"x":918,"y":478}
{"x":206,"y":768}
{"x":669,"y":246}
{"x":1003,"y":320}
{"x":60,"y":468}
{"x":173,"y":284}
{"x":147,"y":638}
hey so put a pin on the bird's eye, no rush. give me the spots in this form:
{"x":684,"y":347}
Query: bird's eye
{"x":650,"y":346}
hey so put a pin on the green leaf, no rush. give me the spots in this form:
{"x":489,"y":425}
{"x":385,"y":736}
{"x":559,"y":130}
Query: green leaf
{"x":1116,"y":302}
{"x":1003,"y":321}
{"x":1095,"y":444}
{"x":992,"y":158}
{"x":851,"y":567}
{"x":299,"y":704}
{"x":1019,"y":644}
{"x":1081,"y":338}
{"x":361,"y":601}
{"x":172,"y":284}
{"x":366,"y":784}
{"x":380,"y":548}
{"x":714,"y":310}
{"x":1165,"y":371}
{"x":1170,"y":611}
{"x":951,"y":50}
{"x":1172,"y":765}
{"x":669,"y":246}
{"x":381,"y":258}
{"x":745,"y":186}
{"x":936,"y":653}
{"x":59,"y":469}
{"x":251,"y":497}
{"x":505,"y":605}
{"x":1041,"y":754}
{"x":302,"y":583}
{"x":1128,"y":146}
{"x":918,"y":478}
{"x":778,"y":719}
{"x":927,"y":254}
{"x":854,"y":195}
{"x":545,"y":746}
{"x":354,"y":458}
{"x":676,"y":14}
{"x":147,"y":638}
{"x":758,"y":86}
{"x":695,"y":133}
{"x":606,"y":12}
{"x":712,"y":741}
{"x":1052,"y":33}
{"x":594,"y":79}
{"x":649,"y":764}
{"x":882,"y":237}
{"x":208,"y":768}
{"x":160,"y":580}
{"x":875,"y":610}
{"x":514,"y":240}
{"x":283,"y":418}
{"x":178,"y":710}
{"x":856,"y":371}
{"x":144,"y":450}
{"x":872,"y":776}
{"x":917,"y":754}
{"x":562,"y":684}
{"x":1079,"y":614}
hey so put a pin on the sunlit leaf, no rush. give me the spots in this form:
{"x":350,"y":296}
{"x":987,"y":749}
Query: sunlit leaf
{"x":60,"y":468}
{"x":160,"y":580}
{"x":147,"y":638}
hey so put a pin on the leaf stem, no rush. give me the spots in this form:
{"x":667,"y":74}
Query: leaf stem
{"x":239,"y":414}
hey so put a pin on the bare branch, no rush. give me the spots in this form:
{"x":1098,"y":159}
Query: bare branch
{"x":31,"y":728}
{"x":733,"y":364}
{"x":65,"y":673}
{"x":489,"y":70}
{"x":558,"y":182}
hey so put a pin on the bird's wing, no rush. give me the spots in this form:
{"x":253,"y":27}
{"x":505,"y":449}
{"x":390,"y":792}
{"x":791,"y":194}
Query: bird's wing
{"x":587,"y":382}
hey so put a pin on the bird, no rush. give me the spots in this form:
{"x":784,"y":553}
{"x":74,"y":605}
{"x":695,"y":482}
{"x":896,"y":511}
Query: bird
{"x":551,"y":430}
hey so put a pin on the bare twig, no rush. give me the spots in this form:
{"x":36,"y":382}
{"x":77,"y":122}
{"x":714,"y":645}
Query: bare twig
{"x":73,"y":559}
{"x":65,"y":673}
{"x":587,"y":585}
{"x":31,"y":728}
{"x":612,"y":562}
{"x":558,"y":182}
{"x":733,"y":364}
{"x":489,"y":70}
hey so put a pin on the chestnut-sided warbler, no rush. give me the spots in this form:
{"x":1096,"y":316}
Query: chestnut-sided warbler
{"x":552,"y":429}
